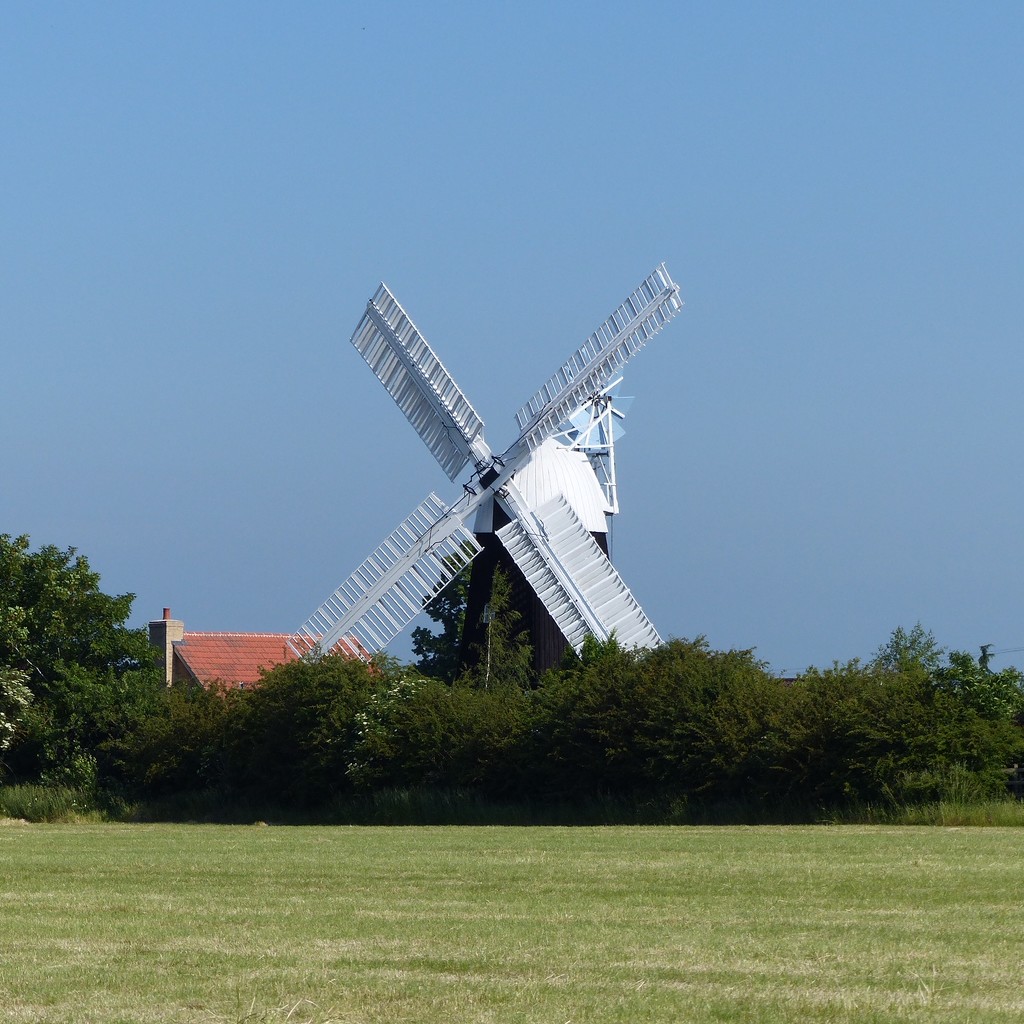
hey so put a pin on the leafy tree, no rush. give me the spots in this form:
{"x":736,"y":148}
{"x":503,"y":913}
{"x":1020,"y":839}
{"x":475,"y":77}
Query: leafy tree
{"x":831,"y":731}
{"x":707,"y":720}
{"x":680,"y":720}
{"x":592,"y":652}
{"x":872,"y":732}
{"x":53,"y":614}
{"x":505,"y":658}
{"x":74,"y":726}
{"x":438,"y":653}
{"x":903,"y":650}
{"x":15,"y":698}
{"x":90,"y":675}
{"x":585,"y":728}
{"x":995,"y":695}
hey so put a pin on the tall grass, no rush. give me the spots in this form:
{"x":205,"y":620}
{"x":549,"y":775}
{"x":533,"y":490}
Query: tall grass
{"x":49,"y":803}
{"x":1005,"y":813}
{"x":950,"y":796}
{"x":426,"y":806}
{"x":405,"y":806}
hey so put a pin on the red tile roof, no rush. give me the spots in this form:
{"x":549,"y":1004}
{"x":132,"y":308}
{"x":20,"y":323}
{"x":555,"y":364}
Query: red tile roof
{"x":236,"y":658}
{"x":232,"y":657}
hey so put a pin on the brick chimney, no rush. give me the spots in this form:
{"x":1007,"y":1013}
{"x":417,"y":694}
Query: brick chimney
{"x":162,"y":635}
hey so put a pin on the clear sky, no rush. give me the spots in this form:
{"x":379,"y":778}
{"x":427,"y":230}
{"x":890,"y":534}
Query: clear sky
{"x":197,"y":199}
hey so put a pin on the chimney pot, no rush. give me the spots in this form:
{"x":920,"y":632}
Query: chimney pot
{"x":167,"y":613}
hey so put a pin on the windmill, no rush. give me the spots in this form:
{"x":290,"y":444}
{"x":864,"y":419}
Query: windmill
{"x":540,"y":505}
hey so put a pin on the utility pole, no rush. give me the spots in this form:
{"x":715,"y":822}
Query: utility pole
{"x":487,"y":617}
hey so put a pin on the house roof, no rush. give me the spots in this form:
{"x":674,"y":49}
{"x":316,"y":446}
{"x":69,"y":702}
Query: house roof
{"x":232,"y":657}
{"x":238,"y":657}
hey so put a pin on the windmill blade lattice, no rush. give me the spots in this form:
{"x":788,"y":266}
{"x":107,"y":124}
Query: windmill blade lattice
{"x":580,"y":588}
{"x":419,"y":383}
{"x":596,"y":361}
{"x":418,"y":560}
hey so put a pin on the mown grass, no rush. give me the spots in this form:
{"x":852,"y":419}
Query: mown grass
{"x":110,"y":922}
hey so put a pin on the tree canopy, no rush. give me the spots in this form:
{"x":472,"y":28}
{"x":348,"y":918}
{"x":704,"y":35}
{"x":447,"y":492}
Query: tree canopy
{"x":438,"y":653}
{"x":53,"y":614}
{"x":83,"y":703}
{"x":88,"y":673}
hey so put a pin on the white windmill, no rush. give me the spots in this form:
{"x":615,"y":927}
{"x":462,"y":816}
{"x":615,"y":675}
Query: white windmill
{"x":542,"y":503}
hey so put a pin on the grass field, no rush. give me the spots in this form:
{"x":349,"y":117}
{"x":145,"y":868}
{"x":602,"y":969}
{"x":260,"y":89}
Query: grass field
{"x":107,"y":923}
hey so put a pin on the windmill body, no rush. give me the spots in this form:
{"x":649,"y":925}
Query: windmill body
{"x":554,"y":469}
{"x":539,"y":506}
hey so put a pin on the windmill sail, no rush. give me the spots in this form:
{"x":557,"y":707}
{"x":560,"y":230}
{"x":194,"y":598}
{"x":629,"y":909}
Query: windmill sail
{"x":574,"y":580}
{"x":596,"y":361}
{"x":545,"y":537}
{"x":421,"y":557}
{"x":418,"y":382}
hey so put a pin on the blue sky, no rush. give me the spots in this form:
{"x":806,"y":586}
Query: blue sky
{"x":196,"y":201}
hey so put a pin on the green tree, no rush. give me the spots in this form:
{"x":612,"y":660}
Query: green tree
{"x":707,"y":721}
{"x":90,"y":675}
{"x":15,"y":698}
{"x":505,"y":658}
{"x":679,"y":720}
{"x":995,"y":695}
{"x":903,"y":650}
{"x":832,"y":733}
{"x":53,"y":614}
{"x":438,"y":653}
{"x":872,"y":733}
{"x":178,"y":746}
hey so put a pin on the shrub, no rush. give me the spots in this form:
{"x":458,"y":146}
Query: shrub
{"x":179,"y":746}
{"x":679,"y":720}
{"x":291,"y":737}
{"x":418,"y":731}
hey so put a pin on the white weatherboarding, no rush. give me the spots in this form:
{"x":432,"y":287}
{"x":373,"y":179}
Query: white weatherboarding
{"x":549,"y":536}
